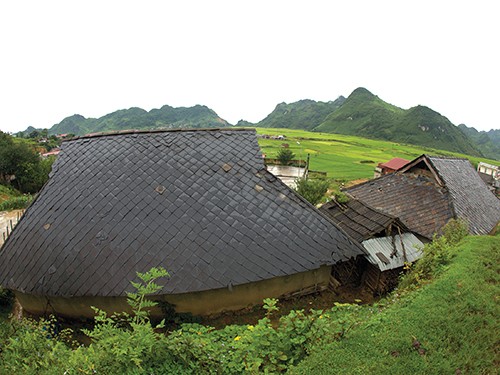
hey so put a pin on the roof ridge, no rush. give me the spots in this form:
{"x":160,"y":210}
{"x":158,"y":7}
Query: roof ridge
{"x":154,"y":131}
{"x":445,"y":157}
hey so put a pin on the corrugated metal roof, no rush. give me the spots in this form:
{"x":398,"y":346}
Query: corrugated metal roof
{"x":395,"y":163}
{"x":380,"y":250}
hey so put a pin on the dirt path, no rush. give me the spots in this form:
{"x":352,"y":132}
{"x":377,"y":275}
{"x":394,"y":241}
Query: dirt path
{"x":5,"y":219}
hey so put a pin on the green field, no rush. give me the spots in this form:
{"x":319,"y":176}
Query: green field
{"x":346,"y":157}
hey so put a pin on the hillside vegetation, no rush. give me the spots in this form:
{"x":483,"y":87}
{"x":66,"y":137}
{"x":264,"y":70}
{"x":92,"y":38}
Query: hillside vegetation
{"x":488,"y":142}
{"x":449,"y":326}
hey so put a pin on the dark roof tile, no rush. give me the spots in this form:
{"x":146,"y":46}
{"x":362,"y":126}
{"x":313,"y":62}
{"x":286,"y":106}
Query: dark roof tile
{"x":209,"y":227}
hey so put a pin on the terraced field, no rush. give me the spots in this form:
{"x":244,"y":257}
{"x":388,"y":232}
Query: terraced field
{"x":343,"y":157}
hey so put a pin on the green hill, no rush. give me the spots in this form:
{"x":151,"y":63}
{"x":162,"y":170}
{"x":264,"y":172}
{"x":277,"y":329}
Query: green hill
{"x":366,"y":115}
{"x":304,"y":114}
{"x":166,"y":117}
{"x":488,"y":142}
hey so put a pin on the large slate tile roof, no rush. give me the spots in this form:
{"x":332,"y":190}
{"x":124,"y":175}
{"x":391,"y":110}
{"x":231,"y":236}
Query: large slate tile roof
{"x":198,"y":203}
{"x":431,"y":190}
{"x":359,"y":220}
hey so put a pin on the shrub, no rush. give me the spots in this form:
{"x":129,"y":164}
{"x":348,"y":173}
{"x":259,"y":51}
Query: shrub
{"x":16,"y":203}
{"x":437,"y":254}
{"x":312,"y":190}
{"x":285,"y":155}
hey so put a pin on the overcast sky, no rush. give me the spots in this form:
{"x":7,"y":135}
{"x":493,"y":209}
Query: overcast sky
{"x":242,"y":58}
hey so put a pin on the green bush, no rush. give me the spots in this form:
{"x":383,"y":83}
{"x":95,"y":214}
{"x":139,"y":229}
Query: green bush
{"x":312,"y":190}
{"x":437,"y":254}
{"x":16,"y":203}
{"x":285,"y":155}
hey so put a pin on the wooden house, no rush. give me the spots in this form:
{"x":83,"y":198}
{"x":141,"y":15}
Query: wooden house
{"x":387,"y":242}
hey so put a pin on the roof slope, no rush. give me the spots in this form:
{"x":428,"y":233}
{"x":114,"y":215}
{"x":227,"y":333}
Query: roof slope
{"x":357,"y":219}
{"x":199,"y":203}
{"x":418,"y":201}
{"x":431,"y":190}
{"x":472,"y":200}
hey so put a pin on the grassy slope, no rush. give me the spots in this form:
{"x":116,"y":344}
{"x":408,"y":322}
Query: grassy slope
{"x":455,"y":319}
{"x":341,"y":155}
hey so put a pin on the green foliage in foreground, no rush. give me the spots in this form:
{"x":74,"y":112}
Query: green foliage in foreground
{"x":123,"y":344}
{"x":441,"y":322}
{"x":445,"y":327}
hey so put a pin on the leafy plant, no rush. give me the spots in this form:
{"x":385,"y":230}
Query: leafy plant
{"x":16,"y":203}
{"x":437,"y":254}
{"x":312,"y":190}
{"x":285,"y":155}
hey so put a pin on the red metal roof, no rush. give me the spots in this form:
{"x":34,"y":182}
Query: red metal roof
{"x":395,"y":163}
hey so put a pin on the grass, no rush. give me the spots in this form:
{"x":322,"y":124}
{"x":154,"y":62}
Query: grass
{"x":7,"y":193}
{"x":446,"y":327}
{"x":346,"y":157}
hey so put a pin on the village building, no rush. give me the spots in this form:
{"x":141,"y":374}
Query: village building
{"x":490,"y":174}
{"x":388,"y":243}
{"x":429,"y":191}
{"x":199,"y":203}
{"x":390,"y":166}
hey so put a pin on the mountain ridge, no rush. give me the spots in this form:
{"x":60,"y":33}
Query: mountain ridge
{"x":362,"y":113}
{"x":166,"y":117}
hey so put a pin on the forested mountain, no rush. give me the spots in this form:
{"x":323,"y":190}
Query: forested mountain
{"x":166,"y":117}
{"x":488,"y":142}
{"x":366,"y":115}
{"x":304,"y":114}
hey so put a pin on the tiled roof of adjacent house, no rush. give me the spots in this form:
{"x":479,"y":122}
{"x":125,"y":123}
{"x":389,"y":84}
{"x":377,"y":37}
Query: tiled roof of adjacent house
{"x":198,"y":203}
{"x":472,"y":200}
{"x":429,"y":191}
{"x":420,"y":203}
{"x":359,"y":220}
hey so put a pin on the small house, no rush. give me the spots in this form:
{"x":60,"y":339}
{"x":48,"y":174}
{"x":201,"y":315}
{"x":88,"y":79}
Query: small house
{"x":387,"y":242}
{"x":199,"y":203}
{"x":390,"y":166}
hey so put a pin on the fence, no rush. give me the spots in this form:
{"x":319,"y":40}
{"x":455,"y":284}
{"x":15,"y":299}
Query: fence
{"x":8,"y":221}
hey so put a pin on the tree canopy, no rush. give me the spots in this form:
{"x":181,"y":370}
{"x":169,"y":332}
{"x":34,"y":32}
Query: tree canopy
{"x":21,"y":166}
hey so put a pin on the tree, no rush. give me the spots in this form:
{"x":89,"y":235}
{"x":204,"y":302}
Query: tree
{"x":285,"y":155}
{"x":312,"y":190}
{"x":20,"y":165}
